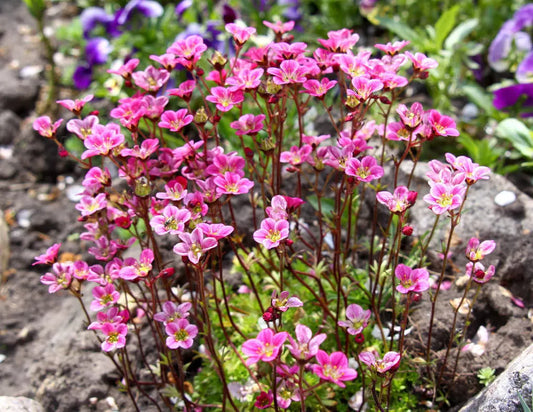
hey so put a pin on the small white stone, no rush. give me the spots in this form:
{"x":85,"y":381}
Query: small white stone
{"x":2,"y":357}
{"x":505,"y":198}
{"x":74,"y":192}
{"x":23,"y":218}
{"x":28,"y":72}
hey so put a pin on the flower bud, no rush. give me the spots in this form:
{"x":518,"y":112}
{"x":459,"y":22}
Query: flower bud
{"x":142,"y":187}
{"x":407,"y":230}
{"x":200,"y":117}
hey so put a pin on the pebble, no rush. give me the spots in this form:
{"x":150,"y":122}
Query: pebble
{"x":505,"y":198}
{"x":74,"y":193}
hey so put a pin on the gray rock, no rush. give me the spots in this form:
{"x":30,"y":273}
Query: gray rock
{"x":17,"y":95}
{"x":9,"y":127}
{"x":502,"y":395}
{"x":19,"y":404}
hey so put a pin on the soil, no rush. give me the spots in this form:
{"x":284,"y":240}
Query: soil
{"x":45,"y":352}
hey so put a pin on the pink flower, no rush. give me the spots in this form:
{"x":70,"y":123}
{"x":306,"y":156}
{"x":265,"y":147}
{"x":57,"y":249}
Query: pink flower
{"x":147,"y":148}
{"x":478,"y":273}
{"x":272,"y":232}
{"x":400,"y":201}
{"x":43,"y":125}
{"x":264,"y":400}
{"x":444,"y":197}
{"x":89,"y":205}
{"x":278,"y":208}
{"x":111,"y":316}
{"x":279,"y":27}
{"x":82,"y":127}
{"x":232,"y":184}
{"x":96,"y":178}
{"x":297,"y":155}
{"x":175,"y":190}
{"x":184,"y":90}
{"x":421,"y":62}
{"x":390,"y":361}
{"x":75,"y":106}
{"x":102,"y":140}
{"x":465,"y":166}
{"x":180,"y":333}
{"x":194,"y":245}
{"x":392,"y":48}
{"x":284,"y":302}
{"x":225,"y":98}
{"x":412,"y":117}
{"x":104,"y":297}
{"x":248,"y":124}
{"x":115,"y":336}
{"x":172,"y":312}
{"x":49,"y":257}
{"x":216,"y":230}
{"x":333,"y":368}
{"x":134,"y":269}
{"x":357,"y":319}
{"x":442,"y":125}
{"x":167,"y":60}
{"x":339,"y":41}
{"x":305,"y":346}
{"x":151,"y":79}
{"x":129,"y":112}
{"x":240,"y":34}
{"x":175,"y":120}
{"x":411,"y":280}
{"x":365,"y":169}
{"x":289,"y":72}
{"x":265,"y":347}
{"x":126,"y":69}
{"x":476,"y":251}
{"x":318,"y":89}
{"x":365,"y":87}
{"x":59,"y":279}
{"x":188,"y":50}
{"x":245,"y":79}
{"x":171,"y":220}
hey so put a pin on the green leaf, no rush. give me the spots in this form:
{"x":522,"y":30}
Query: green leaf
{"x":445,"y":24}
{"x":402,"y":30}
{"x":518,"y":134}
{"x":480,"y":98}
{"x":460,"y":33}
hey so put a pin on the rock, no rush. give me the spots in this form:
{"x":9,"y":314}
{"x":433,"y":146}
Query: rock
{"x":19,"y":404}
{"x":9,"y":127}
{"x":502,"y":395}
{"x":17,"y":95}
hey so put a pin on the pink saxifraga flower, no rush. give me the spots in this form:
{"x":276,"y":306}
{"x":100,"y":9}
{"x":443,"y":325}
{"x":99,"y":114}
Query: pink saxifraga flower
{"x":365,"y":87}
{"x":194,"y":245}
{"x":133,"y":269}
{"x":390,"y":361}
{"x":442,"y":125}
{"x":248,"y":124}
{"x":297,"y":155}
{"x":82,"y":127}
{"x":266,"y":347}
{"x":478,"y":273}
{"x":225,"y":98}
{"x":151,"y":79}
{"x":115,"y":336}
{"x":49,"y":257}
{"x":272,"y":232}
{"x":318,"y":89}
{"x":240,"y":34}
{"x":280,"y":27}
{"x":444,"y":197}
{"x":147,"y":148}
{"x":171,"y":220}
{"x":44,"y":126}
{"x":364,"y":170}
{"x":421,"y":62}
{"x":477,"y":250}
{"x":102,"y":140}
{"x":333,"y":368}
{"x":392,"y":48}
{"x":264,"y":400}
{"x":175,"y":120}
{"x":180,"y":333}
{"x":399,"y":201}
{"x":284,"y":301}
{"x":232,"y":184}
{"x":59,"y":278}
{"x":305,"y":346}
{"x":465,"y":166}
{"x":89,"y":205}
{"x":278,"y":208}
{"x":289,"y":72}
{"x":104,"y":297}
{"x":75,"y":106}
{"x":172,"y":312}
{"x":357,"y":319}
{"x":411,"y":280}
